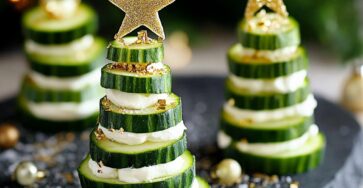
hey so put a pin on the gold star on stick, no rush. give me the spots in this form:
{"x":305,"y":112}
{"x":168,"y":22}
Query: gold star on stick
{"x":141,"y":13}
{"x":277,"y":6}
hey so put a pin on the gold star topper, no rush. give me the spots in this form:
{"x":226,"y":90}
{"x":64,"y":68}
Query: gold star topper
{"x":141,"y":13}
{"x":277,"y":6}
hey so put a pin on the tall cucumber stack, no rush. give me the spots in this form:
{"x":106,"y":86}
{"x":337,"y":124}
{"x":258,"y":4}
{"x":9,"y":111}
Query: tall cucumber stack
{"x":61,"y":91}
{"x":140,"y":138}
{"x":267,"y":121}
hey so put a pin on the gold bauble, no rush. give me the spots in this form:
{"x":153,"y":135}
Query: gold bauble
{"x":352,"y":96}
{"x":228,"y":172}
{"x":26,"y":173}
{"x":9,"y":136}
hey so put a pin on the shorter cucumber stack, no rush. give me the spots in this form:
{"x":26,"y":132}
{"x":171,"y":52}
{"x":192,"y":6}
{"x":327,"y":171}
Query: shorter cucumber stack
{"x":140,"y":139}
{"x":267,"y":121}
{"x":61,"y":91}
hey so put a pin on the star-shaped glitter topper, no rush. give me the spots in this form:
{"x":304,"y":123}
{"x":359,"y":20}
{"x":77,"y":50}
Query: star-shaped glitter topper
{"x":277,"y":6}
{"x":141,"y":13}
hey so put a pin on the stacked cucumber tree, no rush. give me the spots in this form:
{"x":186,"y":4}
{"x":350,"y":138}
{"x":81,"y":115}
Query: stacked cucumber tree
{"x":61,"y":91}
{"x":267,"y":121}
{"x":140,"y":139}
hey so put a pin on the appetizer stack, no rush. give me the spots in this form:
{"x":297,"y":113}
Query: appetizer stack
{"x":267,"y":121}
{"x":140,"y":139}
{"x":61,"y":91}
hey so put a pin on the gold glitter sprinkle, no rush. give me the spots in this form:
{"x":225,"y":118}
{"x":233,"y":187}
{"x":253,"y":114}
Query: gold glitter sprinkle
{"x":141,"y":13}
{"x":246,"y":121}
{"x":106,"y":104}
{"x":161,"y":104}
{"x":122,"y":130}
{"x":99,"y":134}
{"x":277,"y":6}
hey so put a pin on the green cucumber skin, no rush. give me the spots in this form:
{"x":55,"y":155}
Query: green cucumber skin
{"x":202,"y":183}
{"x":183,"y":180}
{"x":270,"y":41}
{"x":257,"y":70}
{"x":154,"y":157}
{"x":267,"y":135}
{"x":266,"y":101}
{"x":34,"y":93}
{"x":61,"y":37}
{"x":159,"y":83}
{"x":70,"y":69}
{"x":277,"y":166}
{"x":141,"y":123}
{"x":152,"y":55}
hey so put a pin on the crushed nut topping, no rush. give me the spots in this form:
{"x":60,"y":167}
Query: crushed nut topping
{"x":99,"y":134}
{"x":161,"y":104}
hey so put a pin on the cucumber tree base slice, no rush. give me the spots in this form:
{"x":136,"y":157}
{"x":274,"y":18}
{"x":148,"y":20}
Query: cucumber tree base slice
{"x":42,"y":29}
{"x":131,"y":52}
{"x":272,"y":131}
{"x":34,"y":93}
{"x":262,"y":69}
{"x":117,"y":155}
{"x":202,"y":183}
{"x":71,"y":65}
{"x":244,"y":99}
{"x":115,"y":77}
{"x":34,"y":123}
{"x":147,"y":120}
{"x":183,"y":179}
{"x":302,"y":159}
{"x":287,"y":34}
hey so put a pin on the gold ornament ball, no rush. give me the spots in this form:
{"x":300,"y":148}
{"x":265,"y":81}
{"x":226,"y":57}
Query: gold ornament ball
{"x":26,"y":173}
{"x":9,"y":136}
{"x":228,"y":172}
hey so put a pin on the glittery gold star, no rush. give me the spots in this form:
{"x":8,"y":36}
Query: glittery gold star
{"x":277,"y":6}
{"x":141,"y":13}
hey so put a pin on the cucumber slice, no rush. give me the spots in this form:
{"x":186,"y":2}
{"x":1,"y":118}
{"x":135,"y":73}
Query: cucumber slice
{"x":261,"y":69}
{"x":272,"y":131}
{"x":135,"y":53}
{"x":202,"y":183}
{"x":146,"y":120}
{"x":305,"y":158}
{"x":287,"y":35}
{"x":68,"y":66}
{"x":114,"y":77}
{"x":265,"y":101}
{"x":117,"y":155}
{"x":42,"y":29}
{"x":183,"y":179}
{"x":35,"y":93}
{"x":33,"y":123}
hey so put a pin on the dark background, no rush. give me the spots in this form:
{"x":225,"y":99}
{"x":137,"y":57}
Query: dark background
{"x":334,"y":24}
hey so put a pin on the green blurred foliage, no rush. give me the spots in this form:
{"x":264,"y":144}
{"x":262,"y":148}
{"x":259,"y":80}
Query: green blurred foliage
{"x":332,"y":23}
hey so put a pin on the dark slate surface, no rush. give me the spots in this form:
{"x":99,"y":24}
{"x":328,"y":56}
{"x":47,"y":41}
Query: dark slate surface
{"x":202,"y":98}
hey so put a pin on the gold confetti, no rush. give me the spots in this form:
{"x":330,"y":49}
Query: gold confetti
{"x":141,"y":13}
{"x":277,"y":6}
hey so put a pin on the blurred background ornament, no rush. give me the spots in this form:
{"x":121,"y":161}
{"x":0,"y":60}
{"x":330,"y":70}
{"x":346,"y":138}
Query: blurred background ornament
{"x":352,"y":96}
{"x":60,"y":9}
{"x":227,"y":172}
{"x":26,"y":173}
{"x":9,"y":136}
{"x":22,"y":4}
{"x":178,"y":52}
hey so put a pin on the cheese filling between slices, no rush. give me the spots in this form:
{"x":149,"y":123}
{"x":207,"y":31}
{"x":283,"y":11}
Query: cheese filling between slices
{"x":130,"y":138}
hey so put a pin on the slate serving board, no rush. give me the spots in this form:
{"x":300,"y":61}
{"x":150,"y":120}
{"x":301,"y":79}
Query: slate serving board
{"x":202,"y":99}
